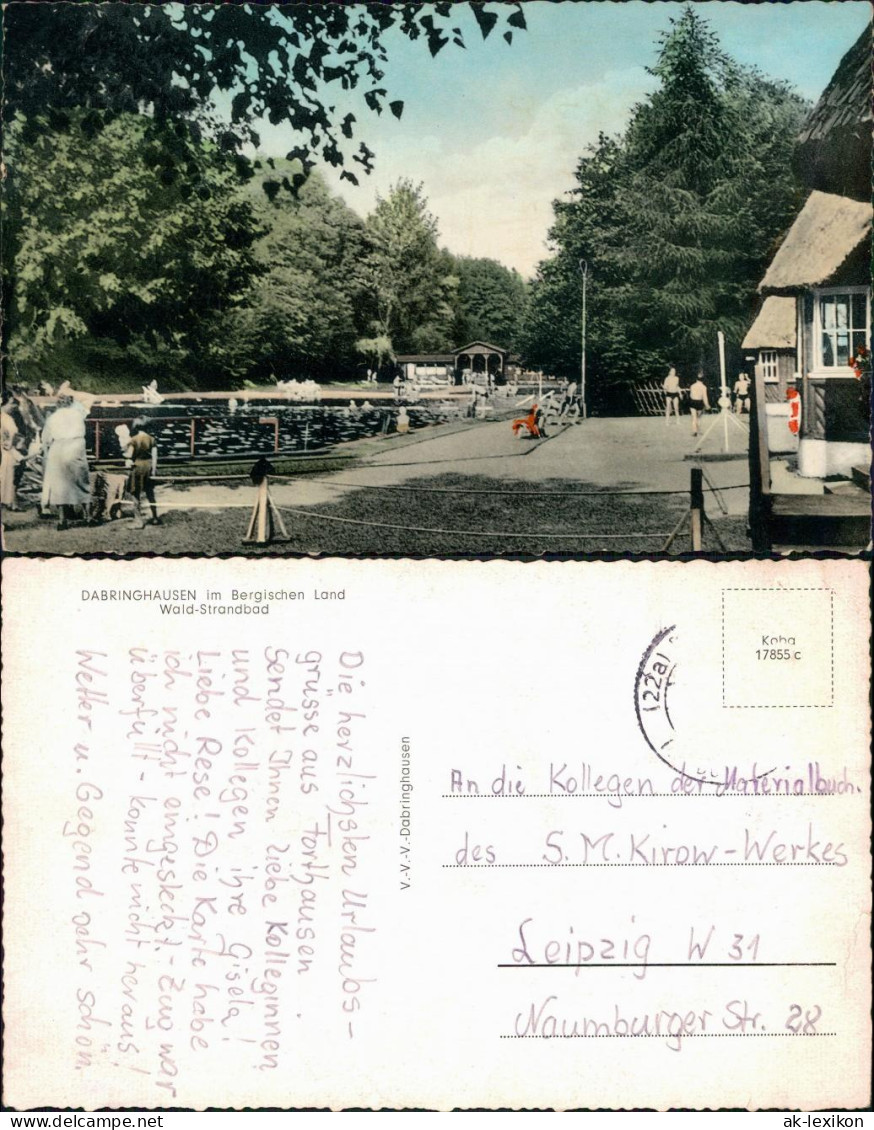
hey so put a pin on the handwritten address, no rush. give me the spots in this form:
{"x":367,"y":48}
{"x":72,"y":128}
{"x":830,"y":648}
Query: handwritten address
{"x":219,"y":828}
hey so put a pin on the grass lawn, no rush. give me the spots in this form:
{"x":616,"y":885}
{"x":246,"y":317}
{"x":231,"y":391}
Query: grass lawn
{"x":514,"y":523}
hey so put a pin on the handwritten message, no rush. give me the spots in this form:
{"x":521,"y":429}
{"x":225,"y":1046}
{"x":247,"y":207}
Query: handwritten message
{"x":219,"y":829}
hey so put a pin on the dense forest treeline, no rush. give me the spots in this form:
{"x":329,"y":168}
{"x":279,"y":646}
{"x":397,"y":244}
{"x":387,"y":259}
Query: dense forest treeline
{"x":133,"y":278}
{"x":140,"y":242}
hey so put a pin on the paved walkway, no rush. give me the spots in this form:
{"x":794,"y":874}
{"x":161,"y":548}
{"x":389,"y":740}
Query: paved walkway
{"x":630,"y":453}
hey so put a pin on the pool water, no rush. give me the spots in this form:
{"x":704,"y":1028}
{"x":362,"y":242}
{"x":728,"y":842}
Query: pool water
{"x":215,"y":432}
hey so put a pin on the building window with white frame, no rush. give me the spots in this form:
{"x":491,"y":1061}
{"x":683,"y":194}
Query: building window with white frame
{"x":843,"y":322}
{"x":768,"y":361}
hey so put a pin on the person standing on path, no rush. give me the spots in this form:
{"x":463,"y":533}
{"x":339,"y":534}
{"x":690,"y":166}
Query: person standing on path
{"x":65,"y":481}
{"x":10,"y":457}
{"x":570,"y":398}
{"x":698,"y":401}
{"x":141,"y":456}
{"x":671,"y":386}
{"x":742,"y":393}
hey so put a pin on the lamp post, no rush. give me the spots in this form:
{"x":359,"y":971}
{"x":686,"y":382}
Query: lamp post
{"x":584,"y":271}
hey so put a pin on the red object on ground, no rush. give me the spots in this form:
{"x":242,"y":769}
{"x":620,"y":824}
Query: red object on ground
{"x":529,"y":422}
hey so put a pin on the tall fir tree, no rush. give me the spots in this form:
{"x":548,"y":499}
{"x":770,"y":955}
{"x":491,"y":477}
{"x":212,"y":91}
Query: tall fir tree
{"x":676,"y":219}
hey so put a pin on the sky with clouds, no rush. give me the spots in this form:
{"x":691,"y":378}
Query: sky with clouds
{"x":494,"y":131}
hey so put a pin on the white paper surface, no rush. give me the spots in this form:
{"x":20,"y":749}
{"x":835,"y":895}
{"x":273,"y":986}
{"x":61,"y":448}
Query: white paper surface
{"x":444,"y":841}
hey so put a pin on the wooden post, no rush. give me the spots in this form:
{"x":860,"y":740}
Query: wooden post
{"x":696,"y":508}
{"x":96,"y":439}
{"x":808,"y":419}
{"x":259,"y":522}
{"x":759,"y":463}
{"x":266,"y":516}
{"x":261,"y":535}
{"x":191,"y":436}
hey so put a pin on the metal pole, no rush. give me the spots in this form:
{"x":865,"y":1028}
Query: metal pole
{"x":723,"y":388}
{"x":584,"y":271}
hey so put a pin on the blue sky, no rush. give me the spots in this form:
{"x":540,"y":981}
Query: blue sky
{"x":494,"y":131}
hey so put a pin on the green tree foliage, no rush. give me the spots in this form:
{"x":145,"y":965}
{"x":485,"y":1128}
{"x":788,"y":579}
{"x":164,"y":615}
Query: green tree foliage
{"x":679,"y":135}
{"x":105,"y":246}
{"x":409,"y":281}
{"x":375,"y":351}
{"x":490,"y":304}
{"x":145,"y":246}
{"x":588,"y":229}
{"x":298,"y":318}
{"x":173,"y":62}
{"x":676,"y":219}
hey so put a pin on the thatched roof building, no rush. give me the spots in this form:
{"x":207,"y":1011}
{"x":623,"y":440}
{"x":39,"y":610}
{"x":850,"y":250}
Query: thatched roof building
{"x":823,"y":247}
{"x":774,"y":328}
{"x":834,"y":147}
{"x":772,"y":340}
{"x":823,"y":270}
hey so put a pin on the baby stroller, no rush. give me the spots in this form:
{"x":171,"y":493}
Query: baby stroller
{"x":108,"y":496}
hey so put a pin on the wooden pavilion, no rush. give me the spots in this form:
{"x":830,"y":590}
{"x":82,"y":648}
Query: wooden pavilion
{"x":478,"y":362}
{"x":481,"y":359}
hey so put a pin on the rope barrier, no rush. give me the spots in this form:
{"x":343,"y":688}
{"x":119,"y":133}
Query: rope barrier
{"x":461,"y":533}
{"x":459,"y":490}
{"x":408,"y":529}
{"x":204,"y":505}
{"x":547,"y":534}
{"x":515,"y":493}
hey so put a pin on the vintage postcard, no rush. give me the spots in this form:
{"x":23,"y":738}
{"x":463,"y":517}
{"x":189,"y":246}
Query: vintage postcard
{"x":303,"y":307}
{"x":433,"y":834}
{"x":436,"y":279}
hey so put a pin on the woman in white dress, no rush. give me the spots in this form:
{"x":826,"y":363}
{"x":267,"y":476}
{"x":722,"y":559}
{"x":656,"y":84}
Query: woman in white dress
{"x":65,"y":463}
{"x":10,"y":457}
